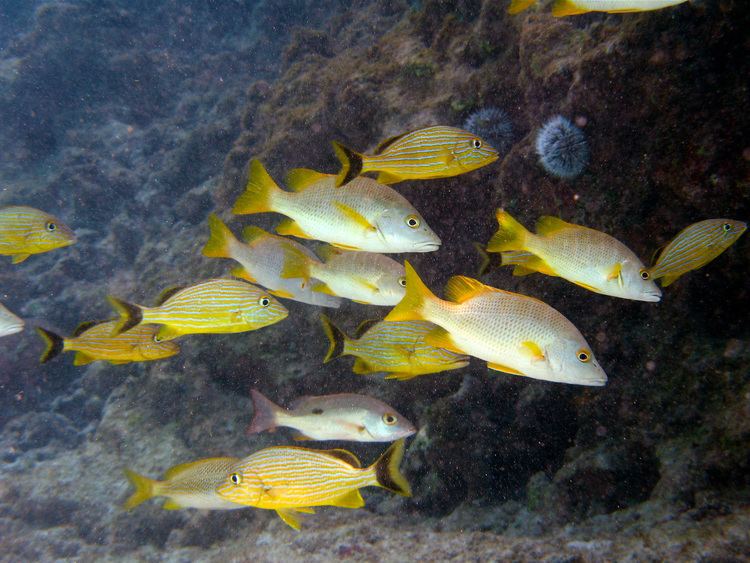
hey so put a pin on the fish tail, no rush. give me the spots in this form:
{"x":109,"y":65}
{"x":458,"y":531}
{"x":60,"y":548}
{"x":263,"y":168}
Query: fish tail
{"x":412,"y":306}
{"x":130,"y":315}
{"x":259,"y":192}
{"x":518,"y":6}
{"x":511,"y":235}
{"x":387,"y":472}
{"x":265,"y":413}
{"x":54,"y":344}
{"x":144,"y":489}
{"x":337,"y":338}
{"x":484,"y":265}
{"x":296,"y":264}
{"x":351,"y":163}
{"x":220,"y":241}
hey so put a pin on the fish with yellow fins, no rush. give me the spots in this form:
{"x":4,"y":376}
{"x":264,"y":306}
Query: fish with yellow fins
{"x":365,"y":277}
{"x":293,"y":480}
{"x":588,"y":258}
{"x":217,"y":306}
{"x":93,"y":341}
{"x":25,"y":231}
{"x":398,"y":348}
{"x":366,"y":216}
{"x":694,"y":247}
{"x":188,"y":485}
{"x":342,"y":416}
{"x":432,"y":152}
{"x":513,"y":333}
{"x":261,"y":258}
{"x":561,"y":8}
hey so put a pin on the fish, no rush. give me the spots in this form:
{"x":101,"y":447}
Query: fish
{"x":518,"y":6}
{"x":344,"y":416}
{"x":561,"y":8}
{"x":694,"y":247}
{"x":9,"y":323}
{"x":364,"y":277}
{"x":292,"y":480}
{"x":586,"y":257}
{"x":25,"y":231}
{"x":188,"y":485}
{"x":261,"y":259}
{"x":513,"y":333}
{"x":398,"y":348}
{"x":366,"y":216}
{"x":431,"y":152}
{"x":93,"y":341}
{"x":216,"y":306}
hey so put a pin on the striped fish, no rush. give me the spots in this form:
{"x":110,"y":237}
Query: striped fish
{"x":432,"y":152}
{"x":694,"y":247}
{"x":291,"y":480}
{"x":261,"y":258}
{"x":9,"y":323}
{"x":188,"y":485}
{"x":366,"y":216}
{"x":25,"y":231}
{"x":212,"y":307}
{"x":398,"y":348}
{"x":93,"y":341}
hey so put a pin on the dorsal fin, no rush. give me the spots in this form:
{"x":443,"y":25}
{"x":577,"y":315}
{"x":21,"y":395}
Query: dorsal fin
{"x":167,"y":293}
{"x":346,"y":456}
{"x":299,"y":179}
{"x":383,"y":145}
{"x":326,"y":252}
{"x":84,"y":326}
{"x":460,"y":289}
{"x":364,"y":326}
{"x":251,"y":233}
{"x":547,"y":225}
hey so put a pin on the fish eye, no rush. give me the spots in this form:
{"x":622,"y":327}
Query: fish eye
{"x":726,"y":227}
{"x":412,"y":221}
{"x":156,"y":338}
{"x":477,"y":144}
{"x":235,"y":478}
{"x":402,"y":282}
{"x":644,"y":274}
{"x":389,"y":419}
{"x":51,"y":227}
{"x":264,"y":301}
{"x":583,"y":356}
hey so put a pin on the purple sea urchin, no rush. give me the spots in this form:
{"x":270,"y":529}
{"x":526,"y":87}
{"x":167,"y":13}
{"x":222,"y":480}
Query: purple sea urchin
{"x":562,"y":148}
{"x":493,"y":125}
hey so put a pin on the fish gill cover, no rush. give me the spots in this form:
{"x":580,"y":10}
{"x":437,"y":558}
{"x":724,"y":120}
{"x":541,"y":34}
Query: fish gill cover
{"x":131,"y":122}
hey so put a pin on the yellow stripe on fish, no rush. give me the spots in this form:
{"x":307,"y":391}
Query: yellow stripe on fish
{"x":366,"y":216}
{"x":25,"y":231}
{"x":93,"y":341}
{"x":694,"y":247}
{"x":215,"y":306}
{"x":188,"y":485}
{"x":398,"y":348}
{"x":432,"y":152}
{"x":562,"y":8}
{"x":588,"y":258}
{"x":513,"y":333}
{"x":291,"y":480}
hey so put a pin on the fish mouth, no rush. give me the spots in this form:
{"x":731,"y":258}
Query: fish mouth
{"x":427,"y":246}
{"x":651,"y":296}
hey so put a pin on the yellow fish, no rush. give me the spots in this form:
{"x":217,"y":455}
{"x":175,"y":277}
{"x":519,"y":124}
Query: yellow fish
{"x":261,"y":258}
{"x":364,"y":277}
{"x":189,"y":485}
{"x":432,"y":152}
{"x":215,"y":306}
{"x":25,"y":231}
{"x":291,"y":480}
{"x":398,"y":348}
{"x":513,"y":333}
{"x":366,"y":216}
{"x":574,"y":7}
{"x":93,"y":341}
{"x":694,"y":247}
{"x":586,"y":257}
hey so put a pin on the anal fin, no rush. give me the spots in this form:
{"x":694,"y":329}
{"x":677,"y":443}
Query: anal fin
{"x":352,"y":499}
{"x":169,"y":504}
{"x":289,"y":517}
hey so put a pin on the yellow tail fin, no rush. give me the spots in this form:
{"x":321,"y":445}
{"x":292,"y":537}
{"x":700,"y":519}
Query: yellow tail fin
{"x":517,"y":6}
{"x":144,"y":489}
{"x":387,"y":472}
{"x":220,"y":241}
{"x":411,"y":307}
{"x":259,"y":192}
{"x":511,"y":235}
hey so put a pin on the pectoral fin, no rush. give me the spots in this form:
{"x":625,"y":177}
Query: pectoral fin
{"x":289,"y":517}
{"x":366,"y":284}
{"x":616,"y":274}
{"x":355,"y":216}
{"x":441,"y":338}
{"x":532,"y":350}
{"x":168,"y":333}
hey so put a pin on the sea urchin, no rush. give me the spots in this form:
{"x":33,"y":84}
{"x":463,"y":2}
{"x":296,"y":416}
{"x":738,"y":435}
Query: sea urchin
{"x":562,"y":148}
{"x":493,"y":125}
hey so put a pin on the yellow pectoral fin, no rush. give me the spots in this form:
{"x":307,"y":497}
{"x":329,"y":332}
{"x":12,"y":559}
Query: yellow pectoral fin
{"x":532,"y":350}
{"x":355,"y":216}
{"x":169,"y":504}
{"x":615,"y":273}
{"x":18,"y":258}
{"x":504,"y":369}
{"x":289,"y":518}
{"x":281,"y":293}
{"x":441,"y":338}
{"x":352,"y":499}
{"x":366,"y":284}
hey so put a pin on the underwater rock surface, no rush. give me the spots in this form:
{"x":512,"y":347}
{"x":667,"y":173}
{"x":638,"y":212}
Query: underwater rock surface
{"x":136,"y":132}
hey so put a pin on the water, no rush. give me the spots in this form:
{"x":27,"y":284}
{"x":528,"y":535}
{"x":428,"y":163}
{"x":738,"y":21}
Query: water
{"x":131,"y":122}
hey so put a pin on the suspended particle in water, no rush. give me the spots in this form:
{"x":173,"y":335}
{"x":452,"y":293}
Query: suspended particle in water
{"x":562,"y":148}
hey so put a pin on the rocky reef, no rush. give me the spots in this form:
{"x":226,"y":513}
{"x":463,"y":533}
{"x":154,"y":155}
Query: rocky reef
{"x":132,"y":121}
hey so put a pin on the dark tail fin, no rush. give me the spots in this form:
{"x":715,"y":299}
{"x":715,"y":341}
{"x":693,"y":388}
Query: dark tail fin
{"x":387,"y":472}
{"x":337,"y":338}
{"x":53,"y":344}
{"x":130,"y":315}
{"x":264,"y":413}
{"x":351,"y":163}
